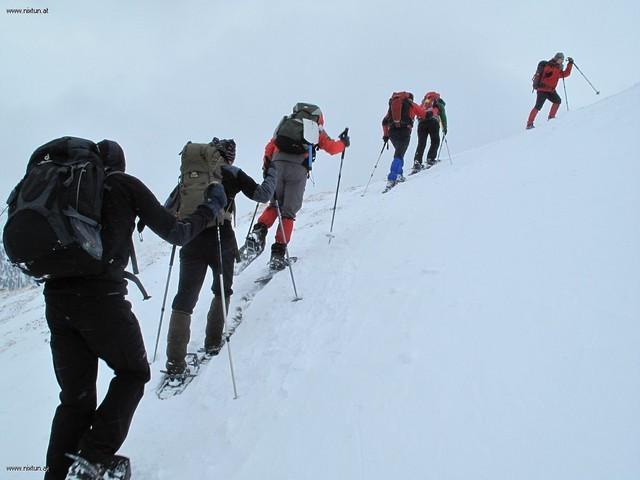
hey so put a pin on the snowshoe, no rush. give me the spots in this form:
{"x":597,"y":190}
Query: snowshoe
{"x":252,"y":248}
{"x":118,"y":468}
{"x":277,"y":264}
{"x":83,"y":469}
{"x":256,"y":240}
{"x":212,"y":351}
{"x":390,"y":185}
{"x":278,"y":251}
{"x":264,"y":279}
{"x":175,"y":381}
{"x":417,"y":167}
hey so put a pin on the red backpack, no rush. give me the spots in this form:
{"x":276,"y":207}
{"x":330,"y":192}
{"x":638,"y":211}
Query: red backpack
{"x":400,"y":108}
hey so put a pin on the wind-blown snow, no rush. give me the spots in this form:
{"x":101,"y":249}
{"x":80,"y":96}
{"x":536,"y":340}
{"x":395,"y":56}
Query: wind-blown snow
{"x":479,"y":321}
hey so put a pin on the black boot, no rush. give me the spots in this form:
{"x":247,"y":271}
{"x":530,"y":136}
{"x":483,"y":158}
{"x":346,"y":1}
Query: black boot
{"x":256,"y":240}
{"x":177,"y":341}
{"x":278,"y":261}
{"x":214,"y":341}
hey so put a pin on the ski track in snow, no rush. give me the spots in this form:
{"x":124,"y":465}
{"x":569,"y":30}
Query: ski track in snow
{"x":479,"y":322}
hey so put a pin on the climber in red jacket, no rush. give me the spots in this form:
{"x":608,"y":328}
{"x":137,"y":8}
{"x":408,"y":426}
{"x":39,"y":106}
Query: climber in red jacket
{"x":545,"y":81}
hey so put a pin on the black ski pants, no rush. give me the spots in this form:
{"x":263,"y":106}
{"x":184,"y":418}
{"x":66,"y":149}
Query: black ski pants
{"x":196,"y":257}
{"x":553,"y":97}
{"x":430,"y":128}
{"x":400,"y":138}
{"x":83,"y":330}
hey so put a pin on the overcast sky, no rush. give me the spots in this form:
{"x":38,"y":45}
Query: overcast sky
{"x":154,"y":74}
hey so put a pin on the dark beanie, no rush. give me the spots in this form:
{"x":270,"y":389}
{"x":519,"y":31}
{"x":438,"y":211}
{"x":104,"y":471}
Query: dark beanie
{"x":112,"y":155}
{"x":226,"y":147}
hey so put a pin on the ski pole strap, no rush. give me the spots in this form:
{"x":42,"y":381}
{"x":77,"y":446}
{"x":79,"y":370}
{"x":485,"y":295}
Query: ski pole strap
{"x":138,"y":283}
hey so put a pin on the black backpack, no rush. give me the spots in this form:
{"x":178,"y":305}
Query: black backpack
{"x":538,"y":74}
{"x":289,"y":135}
{"x":53,"y":228}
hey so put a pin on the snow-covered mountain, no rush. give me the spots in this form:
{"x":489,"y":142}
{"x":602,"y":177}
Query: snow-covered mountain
{"x":480,"y":321}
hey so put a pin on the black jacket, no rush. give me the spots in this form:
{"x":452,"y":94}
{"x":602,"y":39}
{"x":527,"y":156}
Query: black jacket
{"x":125,"y":198}
{"x":234,"y":180}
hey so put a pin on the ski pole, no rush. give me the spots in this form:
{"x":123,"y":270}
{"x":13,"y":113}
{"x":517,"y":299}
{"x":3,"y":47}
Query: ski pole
{"x":223,"y":297}
{"x":335,"y":202}
{"x":385,"y":144}
{"x":234,"y":210}
{"x":255,"y":212}
{"x":585,"y":77}
{"x":440,"y":149}
{"x":164,"y":301}
{"x":566,"y":99}
{"x":286,"y":251}
{"x":448,"y":151}
{"x":4,"y":210}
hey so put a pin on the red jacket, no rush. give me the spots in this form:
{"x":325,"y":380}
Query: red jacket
{"x":325,"y":142}
{"x":551,"y":74}
{"x":415,"y":111}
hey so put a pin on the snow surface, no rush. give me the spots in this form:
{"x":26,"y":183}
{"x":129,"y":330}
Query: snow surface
{"x":480,"y":321}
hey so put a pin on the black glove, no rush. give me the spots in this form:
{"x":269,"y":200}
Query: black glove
{"x":344,"y":136}
{"x":385,"y":139}
{"x":570,"y":60}
{"x":444,"y":130}
{"x":215,"y":198}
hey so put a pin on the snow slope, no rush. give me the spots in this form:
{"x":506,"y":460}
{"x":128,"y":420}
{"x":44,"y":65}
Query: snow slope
{"x":480,"y":321}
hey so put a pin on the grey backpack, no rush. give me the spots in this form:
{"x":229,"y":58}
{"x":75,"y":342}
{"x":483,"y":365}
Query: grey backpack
{"x":296,"y":132}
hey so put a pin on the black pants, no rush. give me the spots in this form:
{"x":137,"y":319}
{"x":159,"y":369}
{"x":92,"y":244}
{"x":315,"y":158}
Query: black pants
{"x":400,"y":138}
{"x":84,"y":329}
{"x":198,"y":255}
{"x":553,"y":97}
{"x":431,"y":128}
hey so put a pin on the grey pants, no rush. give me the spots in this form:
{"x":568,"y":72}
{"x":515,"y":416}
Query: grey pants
{"x":292,"y":179}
